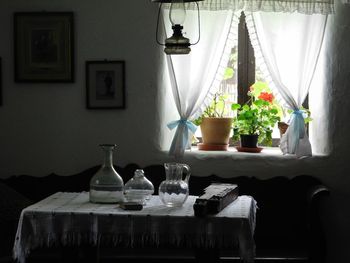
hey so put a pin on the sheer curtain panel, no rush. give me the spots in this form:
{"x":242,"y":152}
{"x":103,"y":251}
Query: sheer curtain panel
{"x":196,"y":77}
{"x":287,"y":47}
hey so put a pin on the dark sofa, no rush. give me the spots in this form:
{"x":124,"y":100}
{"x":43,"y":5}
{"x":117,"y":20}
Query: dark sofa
{"x":288,"y":226}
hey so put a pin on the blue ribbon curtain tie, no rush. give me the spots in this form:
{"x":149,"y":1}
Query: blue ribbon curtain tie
{"x":187,"y":123}
{"x":299,"y":123}
{"x":181,"y":139}
{"x":301,"y":113}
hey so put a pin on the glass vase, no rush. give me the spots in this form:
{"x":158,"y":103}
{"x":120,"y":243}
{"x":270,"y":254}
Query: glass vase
{"x":107,"y":186}
{"x":138,"y":189}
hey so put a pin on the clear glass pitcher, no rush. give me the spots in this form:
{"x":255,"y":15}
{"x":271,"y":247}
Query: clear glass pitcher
{"x":174,"y":190}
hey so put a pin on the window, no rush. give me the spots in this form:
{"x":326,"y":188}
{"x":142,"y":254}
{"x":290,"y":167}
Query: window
{"x":241,"y":73}
{"x":283,"y":52}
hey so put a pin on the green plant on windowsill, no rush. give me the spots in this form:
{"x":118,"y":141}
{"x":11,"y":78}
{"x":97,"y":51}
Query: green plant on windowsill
{"x":215,"y":125}
{"x":257,"y":117}
{"x":217,"y":108}
{"x":260,"y":89}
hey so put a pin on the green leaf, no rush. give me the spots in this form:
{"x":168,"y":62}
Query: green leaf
{"x":198,"y":121}
{"x":229,"y":72}
{"x":274,"y":111}
{"x":259,"y":102}
{"x":245,"y":107}
{"x":235,"y":106}
{"x":259,"y":87}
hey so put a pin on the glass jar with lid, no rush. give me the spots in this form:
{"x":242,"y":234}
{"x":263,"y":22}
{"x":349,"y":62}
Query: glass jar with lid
{"x":138,"y":189}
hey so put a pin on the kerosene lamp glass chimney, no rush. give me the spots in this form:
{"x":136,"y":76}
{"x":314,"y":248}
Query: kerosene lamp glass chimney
{"x":177,"y":14}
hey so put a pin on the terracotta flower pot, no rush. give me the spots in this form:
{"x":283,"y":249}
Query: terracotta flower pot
{"x":282,"y":126}
{"x":216,"y":130}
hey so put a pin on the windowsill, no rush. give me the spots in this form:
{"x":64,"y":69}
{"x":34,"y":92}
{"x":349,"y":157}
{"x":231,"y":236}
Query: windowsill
{"x":269,"y":163}
{"x":267,"y":152}
{"x":232,"y":149}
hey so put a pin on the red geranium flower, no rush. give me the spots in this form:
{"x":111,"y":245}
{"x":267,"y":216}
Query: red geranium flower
{"x":266,"y":96}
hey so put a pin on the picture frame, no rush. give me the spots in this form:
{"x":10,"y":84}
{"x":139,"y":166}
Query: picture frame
{"x":105,"y":84}
{"x":44,"y":47}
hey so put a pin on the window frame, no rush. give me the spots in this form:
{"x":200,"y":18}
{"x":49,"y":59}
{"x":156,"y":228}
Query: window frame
{"x":246,"y":62}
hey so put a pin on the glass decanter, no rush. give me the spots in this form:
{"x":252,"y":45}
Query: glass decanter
{"x":174,"y":190}
{"x":106,"y":186}
{"x":138,"y":189}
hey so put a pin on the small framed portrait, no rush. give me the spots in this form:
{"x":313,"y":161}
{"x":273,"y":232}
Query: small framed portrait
{"x":44,"y":43}
{"x":105,"y":84}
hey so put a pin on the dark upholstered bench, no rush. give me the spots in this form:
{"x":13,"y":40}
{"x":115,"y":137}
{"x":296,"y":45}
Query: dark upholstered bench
{"x":288,"y":222}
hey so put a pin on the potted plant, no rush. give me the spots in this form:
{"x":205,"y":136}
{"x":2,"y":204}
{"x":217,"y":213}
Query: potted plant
{"x":214,"y":125}
{"x":255,"y":120}
{"x":261,"y":90}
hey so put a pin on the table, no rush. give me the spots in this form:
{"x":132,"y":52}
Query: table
{"x":69,"y":219}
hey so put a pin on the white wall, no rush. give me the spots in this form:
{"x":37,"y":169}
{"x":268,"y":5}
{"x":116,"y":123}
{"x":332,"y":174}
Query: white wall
{"x":46,"y":127}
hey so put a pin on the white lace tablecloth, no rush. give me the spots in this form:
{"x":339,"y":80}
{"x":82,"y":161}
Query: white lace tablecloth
{"x":69,"y":219}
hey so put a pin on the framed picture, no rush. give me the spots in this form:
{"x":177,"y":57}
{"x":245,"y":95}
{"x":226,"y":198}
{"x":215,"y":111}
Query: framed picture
{"x":105,"y":84}
{"x":44,"y":46}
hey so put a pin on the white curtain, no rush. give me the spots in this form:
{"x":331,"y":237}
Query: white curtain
{"x":196,"y":77}
{"x":287,"y":47}
{"x":290,"y":6}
